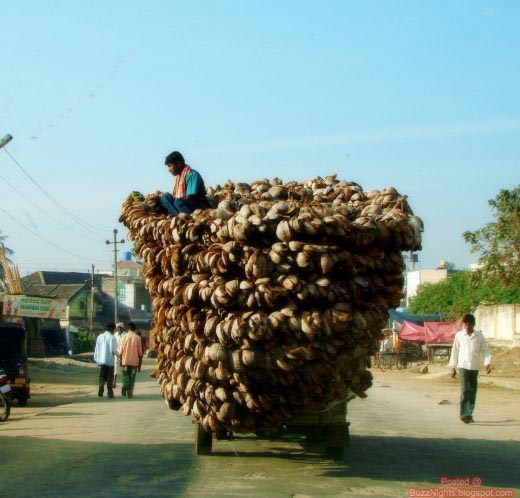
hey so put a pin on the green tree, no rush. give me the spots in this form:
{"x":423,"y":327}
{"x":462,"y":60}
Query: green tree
{"x":3,"y":238}
{"x":8,"y":252}
{"x":498,"y":242}
{"x":459,"y":294}
{"x":83,"y":342}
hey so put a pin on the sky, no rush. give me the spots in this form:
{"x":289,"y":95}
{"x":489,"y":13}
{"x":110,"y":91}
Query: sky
{"x":422,"y":96}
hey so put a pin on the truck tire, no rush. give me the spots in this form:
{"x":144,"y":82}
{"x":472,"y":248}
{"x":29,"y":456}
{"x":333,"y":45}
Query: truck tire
{"x":203,"y":441}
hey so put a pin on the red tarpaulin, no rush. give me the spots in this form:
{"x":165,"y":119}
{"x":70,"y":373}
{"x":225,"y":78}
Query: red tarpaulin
{"x":441,"y":332}
{"x":412,"y":332}
{"x":431,"y":333}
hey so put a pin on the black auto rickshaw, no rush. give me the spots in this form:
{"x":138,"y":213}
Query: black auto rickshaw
{"x":13,"y":359}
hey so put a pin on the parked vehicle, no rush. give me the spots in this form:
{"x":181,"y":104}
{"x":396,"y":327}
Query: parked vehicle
{"x":13,"y":360}
{"x":5,"y":395}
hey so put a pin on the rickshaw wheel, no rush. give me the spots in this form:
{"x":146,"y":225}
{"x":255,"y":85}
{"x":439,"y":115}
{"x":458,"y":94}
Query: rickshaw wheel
{"x":22,"y":400}
{"x":5,"y":408}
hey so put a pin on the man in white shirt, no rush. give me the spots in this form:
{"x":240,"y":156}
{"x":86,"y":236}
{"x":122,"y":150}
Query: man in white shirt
{"x":106,"y":349}
{"x":120,"y":332}
{"x":468,"y":345}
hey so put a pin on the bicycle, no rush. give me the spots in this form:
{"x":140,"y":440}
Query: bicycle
{"x":390,"y":360}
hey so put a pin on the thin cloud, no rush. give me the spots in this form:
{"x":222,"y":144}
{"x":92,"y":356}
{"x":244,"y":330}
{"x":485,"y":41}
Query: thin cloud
{"x":390,"y":134}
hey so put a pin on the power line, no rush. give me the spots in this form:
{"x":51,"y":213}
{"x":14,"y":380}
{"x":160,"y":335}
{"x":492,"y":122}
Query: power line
{"x":48,"y":214}
{"x":54,"y":201}
{"x":43,"y":238}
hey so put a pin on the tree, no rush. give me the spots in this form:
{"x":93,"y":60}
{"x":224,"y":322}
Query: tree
{"x":8,"y":252}
{"x":499,"y":242}
{"x":460,"y":294}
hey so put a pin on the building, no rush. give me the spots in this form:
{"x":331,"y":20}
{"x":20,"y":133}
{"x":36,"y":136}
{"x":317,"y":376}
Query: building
{"x":415,"y":278}
{"x":130,"y":269}
{"x":76,"y":295}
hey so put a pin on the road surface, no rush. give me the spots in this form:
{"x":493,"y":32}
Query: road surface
{"x":400,"y":438}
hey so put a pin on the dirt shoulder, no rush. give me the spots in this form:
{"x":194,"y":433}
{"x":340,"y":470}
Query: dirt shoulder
{"x":57,"y":381}
{"x":498,"y":392}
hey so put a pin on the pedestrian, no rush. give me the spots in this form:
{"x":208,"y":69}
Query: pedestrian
{"x":143,"y":345}
{"x":189,"y":192}
{"x":468,"y":345}
{"x":106,"y":350}
{"x":131,"y":354}
{"x":120,"y":332}
{"x":386,"y":345}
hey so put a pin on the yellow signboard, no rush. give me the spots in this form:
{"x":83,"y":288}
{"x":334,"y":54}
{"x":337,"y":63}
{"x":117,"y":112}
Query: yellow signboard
{"x":37,"y":307}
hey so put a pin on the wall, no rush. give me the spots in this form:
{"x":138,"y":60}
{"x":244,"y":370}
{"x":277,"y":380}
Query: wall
{"x":78,"y":305}
{"x":500,"y":323}
{"x":417,"y":277}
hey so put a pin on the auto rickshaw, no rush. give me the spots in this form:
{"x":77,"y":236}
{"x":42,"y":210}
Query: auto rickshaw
{"x":13,"y":359}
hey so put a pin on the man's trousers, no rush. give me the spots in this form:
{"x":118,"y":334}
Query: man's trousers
{"x":129,"y":373}
{"x":468,"y":391}
{"x":106,"y":376}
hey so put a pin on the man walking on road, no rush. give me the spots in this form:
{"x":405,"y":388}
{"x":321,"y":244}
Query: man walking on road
{"x":131,"y":354}
{"x":468,"y":345}
{"x":106,"y":350}
{"x":120,"y":332}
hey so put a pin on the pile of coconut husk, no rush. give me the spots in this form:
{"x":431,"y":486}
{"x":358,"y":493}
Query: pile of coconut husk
{"x":269,"y":304}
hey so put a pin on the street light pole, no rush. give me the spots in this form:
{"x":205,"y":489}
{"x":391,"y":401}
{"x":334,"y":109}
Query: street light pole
{"x":116,"y":290}
{"x":4,"y":141}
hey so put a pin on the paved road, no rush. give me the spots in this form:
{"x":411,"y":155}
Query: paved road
{"x":138,"y":447}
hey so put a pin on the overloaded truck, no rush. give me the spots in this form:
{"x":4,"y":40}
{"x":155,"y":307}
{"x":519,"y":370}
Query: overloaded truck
{"x":268,"y":306}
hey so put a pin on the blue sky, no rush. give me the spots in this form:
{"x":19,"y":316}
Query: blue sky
{"x":422,"y":96}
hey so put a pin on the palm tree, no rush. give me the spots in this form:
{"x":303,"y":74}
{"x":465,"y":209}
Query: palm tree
{"x":8,"y":252}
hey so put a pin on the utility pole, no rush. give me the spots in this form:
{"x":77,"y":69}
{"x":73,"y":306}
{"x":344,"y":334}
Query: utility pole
{"x":4,"y":141}
{"x":91,"y":314}
{"x":116,"y":290}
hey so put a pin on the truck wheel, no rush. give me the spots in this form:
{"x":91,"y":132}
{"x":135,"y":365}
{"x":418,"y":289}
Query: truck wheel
{"x":334,"y":452}
{"x":336,"y":438}
{"x":203,"y":441}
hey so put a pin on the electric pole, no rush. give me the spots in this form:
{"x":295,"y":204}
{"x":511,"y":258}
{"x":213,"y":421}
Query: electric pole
{"x":91,"y":314}
{"x":4,"y":141}
{"x":116,"y":290}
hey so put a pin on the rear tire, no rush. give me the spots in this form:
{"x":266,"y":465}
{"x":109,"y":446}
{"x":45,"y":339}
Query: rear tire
{"x":334,"y":452}
{"x":336,"y":438}
{"x":5,"y":408}
{"x":203,"y":441}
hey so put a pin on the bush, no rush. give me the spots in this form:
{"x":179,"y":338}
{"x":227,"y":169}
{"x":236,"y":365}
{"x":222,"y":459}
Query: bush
{"x":459,"y":294}
{"x":83,"y":342}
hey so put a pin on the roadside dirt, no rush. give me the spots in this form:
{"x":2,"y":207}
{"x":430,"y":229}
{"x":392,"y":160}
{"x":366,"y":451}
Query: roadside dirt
{"x":498,"y":393}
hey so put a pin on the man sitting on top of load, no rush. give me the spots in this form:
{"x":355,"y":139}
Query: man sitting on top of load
{"x":189,"y":192}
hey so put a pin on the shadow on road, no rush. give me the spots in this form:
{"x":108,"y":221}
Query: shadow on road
{"x":403,"y":459}
{"x":70,"y":468}
{"x":427,"y":460}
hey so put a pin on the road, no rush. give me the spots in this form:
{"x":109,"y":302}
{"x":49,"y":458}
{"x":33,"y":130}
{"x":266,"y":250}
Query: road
{"x":400,"y":438}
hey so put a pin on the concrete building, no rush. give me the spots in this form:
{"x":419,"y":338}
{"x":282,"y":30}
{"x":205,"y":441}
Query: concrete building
{"x":129,"y":269}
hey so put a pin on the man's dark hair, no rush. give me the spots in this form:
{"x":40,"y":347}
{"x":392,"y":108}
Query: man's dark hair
{"x":174,"y":158}
{"x":111,"y":326}
{"x":132,"y":326}
{"x":468,"y":318}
